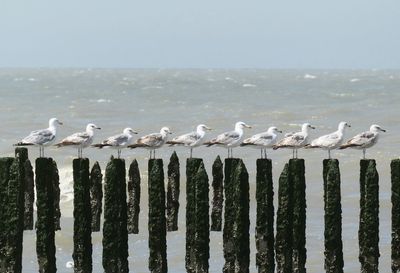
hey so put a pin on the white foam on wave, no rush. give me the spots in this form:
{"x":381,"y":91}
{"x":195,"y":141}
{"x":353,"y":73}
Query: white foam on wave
{"x":309,"y":76}
{"x":355,"y":80}
{"x":248,"y":85}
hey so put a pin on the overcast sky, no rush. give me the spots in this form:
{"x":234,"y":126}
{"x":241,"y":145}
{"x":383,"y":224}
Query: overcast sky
{"x":200,"y":34}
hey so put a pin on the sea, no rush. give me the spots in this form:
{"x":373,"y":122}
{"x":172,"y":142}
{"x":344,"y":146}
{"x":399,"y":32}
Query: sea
{"x":148,"y":99}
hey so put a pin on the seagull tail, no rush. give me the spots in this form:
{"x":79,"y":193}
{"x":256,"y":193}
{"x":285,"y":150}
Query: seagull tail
{"x":100,"y":145}
{"x":136,"y":145}
{"x":210,"y":143}
{"x":172,"y":143}
{"x":22,"y":144}
{"x":246,"y":144}
{"x":309,"y":146}
{"x":344,"y":146}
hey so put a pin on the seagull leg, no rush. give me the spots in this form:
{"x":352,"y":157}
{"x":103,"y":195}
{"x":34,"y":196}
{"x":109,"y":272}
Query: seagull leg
{"x":329,"y":154}
{"x":261,"y":153}
{"x":265,"y":153}
{"x":363,"y":153}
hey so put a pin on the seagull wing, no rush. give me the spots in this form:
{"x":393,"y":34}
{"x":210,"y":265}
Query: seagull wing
{"x":39,"y":137}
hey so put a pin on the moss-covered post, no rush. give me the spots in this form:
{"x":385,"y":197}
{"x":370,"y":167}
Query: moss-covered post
{"x":197,"y":217}
{"x":173,"y":193}
{"x":29,"y":195}
{"x":236,"y":237}
{"x":368,"y":234}
{"x":45,"y":228}
{"x":218,"y":195}
{"x":297,"y":174}
{"x":5,"y":164}
{"x":284,"y":223}
{"x":82,"y":254}
{"x":56,"y":188}
{"x":333,"y":217}
{"x":395,"y":177}
{"x":96,"y":195}
{"x":265,"y":258}
{"x":157,"y":221}
{"x":133,"y":198}
{"x":115,"y":233}
{"x":11,"y":212}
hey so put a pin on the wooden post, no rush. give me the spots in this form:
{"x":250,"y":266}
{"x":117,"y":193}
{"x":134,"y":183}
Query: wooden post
{"x":368,"y":234}
{"x":236,"y":238}
{"x":333,"y":217}
{"x":157,"y":221}
{"x":265,"y":258}
{"x":395,"y":175}
{"x":173,"y":193}
{"x":96,"y":195}
{"x":197,"y":217}
{"x":82,"y":217}
{"x":45,"y":228}
{"x":115,"y":233}
{"x":218,"y":198}
{"x":56,"y":189}
{"x":133,"y":198}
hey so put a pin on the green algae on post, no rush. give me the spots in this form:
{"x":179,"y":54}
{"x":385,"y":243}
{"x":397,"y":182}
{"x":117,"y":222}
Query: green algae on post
{"x":218,"y":195}
{"x":82,"y":254}
{"x":173,"y":193}
{"x":133,"y":198}
{"x":265,"y":258}
{"x":96,"y":195}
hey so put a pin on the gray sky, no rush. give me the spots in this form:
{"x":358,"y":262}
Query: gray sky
{"x":200,"y":34}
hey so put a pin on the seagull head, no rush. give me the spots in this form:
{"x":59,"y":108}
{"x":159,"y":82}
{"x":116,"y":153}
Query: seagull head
{"x":91,"y":127}
{"x":343,"y":125}
{"x":53,"y":122}
{"x":165,"y":131}
{"x":203,"y":128}
{"x":273,"y":129}
{"x":241,"y":125}
{"x":376,"y":128}
{"x":306,"y":127}
{"x":129,"y":131}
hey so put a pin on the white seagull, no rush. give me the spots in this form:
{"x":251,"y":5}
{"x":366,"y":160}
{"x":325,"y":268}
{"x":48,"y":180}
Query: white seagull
{"x":42,"y":138}
{"x":295,"y":141}
{"x":152,"y":141}
{"x":263,"y":141}
{"x":364,"y":140}
{"x":230,"y":139}
{"x":80,"y":140}
{"x":191,"y":140}
{"x":118,"y":141}
{"x":331,"y":141}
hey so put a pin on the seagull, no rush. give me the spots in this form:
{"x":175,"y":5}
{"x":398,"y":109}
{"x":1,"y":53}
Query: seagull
{"x":191,"y":140}
{"x":229,"y":139}
{"x":80,"y":140}
{"x":263,"y":141}
{"x":41,"y":138}
{"x":118,"y":141}
{"x":331,"y":141}
{"x":295,"y":140}
{"x":364,"y":140}
{"x":152,"y":141}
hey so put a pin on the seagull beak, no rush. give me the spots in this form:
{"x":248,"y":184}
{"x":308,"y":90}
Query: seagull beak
{"x":383,"y":130}
{"x":248,"y":126}
{"x":279,"y":131}
{"x":312,"y":127}
{"x":98,"y":128}
{"x":60,"y":123}
{"x":348,"y":125}
{"x":170,"y":133}
{"x":208,"y":128}
{"x":135,"y":132}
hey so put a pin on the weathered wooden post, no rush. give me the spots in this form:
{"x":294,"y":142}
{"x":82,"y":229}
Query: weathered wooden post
{"x":265,"y":258}
{"x":96,"y":195}
{"x":115,"y":234}
{"x":395,"y":177}
{"x":157,"y":221}
{"x":284,"y":223}
{"x":56,"y":189}
{"x":333,"y":217}
{"x":297,"y":178}
{"x":29,"y":195}
{"x":82,"y":254}
{"x":368,"y":234}
{"x":236,"y":237}
{"x":197,"y":217}
{"x":11,"y":212}
{"x":133,"y":198}
{"x":173,"y":193}
{"x":45,"y":227}
{"x":218,"y":195}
